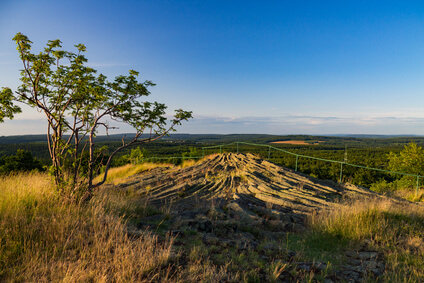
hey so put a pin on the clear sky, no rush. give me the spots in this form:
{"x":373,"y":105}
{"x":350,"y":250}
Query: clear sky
{"x":269,"y":67}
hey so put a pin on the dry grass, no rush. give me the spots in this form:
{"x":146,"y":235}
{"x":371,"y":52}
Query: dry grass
{"x":46,"y":239}
{"x":206,"y":271}
{"x":115,"y":174}
{"x":191,"y":162}
{"x":43,"y":238}
{"x":410,"y":195}
{"x":275,"y":269}
{"x":188,"y":163}
{"x":392,"y":228}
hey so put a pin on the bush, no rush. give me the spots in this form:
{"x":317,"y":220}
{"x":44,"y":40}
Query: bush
{"x":23,"y":160}
{"x":410,"y":160}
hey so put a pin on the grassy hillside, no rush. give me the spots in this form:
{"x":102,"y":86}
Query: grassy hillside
{"x":47,"y":238}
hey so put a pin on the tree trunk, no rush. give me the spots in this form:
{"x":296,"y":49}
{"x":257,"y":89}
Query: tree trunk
{"x":75,"y":163}
{"x":91,"y":164}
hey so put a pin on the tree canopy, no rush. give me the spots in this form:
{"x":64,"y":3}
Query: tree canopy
{"x":410,"y":160}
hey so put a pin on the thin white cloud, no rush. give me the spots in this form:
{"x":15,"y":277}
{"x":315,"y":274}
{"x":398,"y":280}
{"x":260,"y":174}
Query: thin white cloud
{"x":296,"y":124}
{"x":288,"y":124}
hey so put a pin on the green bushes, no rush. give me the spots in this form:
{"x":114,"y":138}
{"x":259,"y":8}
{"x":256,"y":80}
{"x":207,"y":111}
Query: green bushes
{"x":410,"y":160}
{"x":23,"y":160}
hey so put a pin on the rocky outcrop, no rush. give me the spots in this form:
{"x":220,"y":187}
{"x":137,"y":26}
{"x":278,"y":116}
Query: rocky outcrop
{"x":241,"y":202}
{"x":244,"y":179}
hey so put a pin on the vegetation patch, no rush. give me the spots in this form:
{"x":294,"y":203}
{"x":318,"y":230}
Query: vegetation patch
{"x":122,"y":235}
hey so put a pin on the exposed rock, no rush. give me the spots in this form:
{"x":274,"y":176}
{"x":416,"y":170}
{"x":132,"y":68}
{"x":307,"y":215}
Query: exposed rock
{"x":245,"y":183}
{"x":210,"y":239}
{"x":240,"y":202}
{"x":311,"y":266}
{"x":361,"y":264}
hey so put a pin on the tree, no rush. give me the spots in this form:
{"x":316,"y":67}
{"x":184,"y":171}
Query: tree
{"x":136,"y":155}
{"x":410,"y":160}
{"x":190,"y":154}
{"x":77,"y":101}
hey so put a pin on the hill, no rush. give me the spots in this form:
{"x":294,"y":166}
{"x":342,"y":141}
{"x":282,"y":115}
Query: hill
{"x":244,"y":179}
{"x":335,"y":140}
{"x":241,"y":203}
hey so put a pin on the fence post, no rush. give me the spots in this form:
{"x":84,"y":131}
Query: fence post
{"x":418,"y":179}
{"x":269,"y":152}
{"x":341,"y":172}
{"x":237,"y":148}
{"x":203,"y":151}
{"x":297,"y":157}
{"x":220,"y":149}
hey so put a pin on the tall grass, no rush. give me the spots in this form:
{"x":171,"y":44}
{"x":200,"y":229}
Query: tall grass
{"x":117,"y":174}
{"x":392,"y":228}
{"x":43,"y":238}
{"x":46,"y":238}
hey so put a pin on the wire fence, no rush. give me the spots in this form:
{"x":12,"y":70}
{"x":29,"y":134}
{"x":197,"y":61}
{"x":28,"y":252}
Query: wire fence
{"x":268,"y":151}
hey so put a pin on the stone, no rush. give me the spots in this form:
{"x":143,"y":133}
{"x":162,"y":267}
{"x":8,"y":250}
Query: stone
{"x":319,"y":266}
{"x":205,"y":226}
{"x":235,"y":207}
{"x":209,"y":239}
{"x":368,"y":255}
{"x":350,"y":275}
{"x":277,"y":225}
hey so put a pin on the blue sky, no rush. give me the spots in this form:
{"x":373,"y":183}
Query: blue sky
{"x":271,"y":67}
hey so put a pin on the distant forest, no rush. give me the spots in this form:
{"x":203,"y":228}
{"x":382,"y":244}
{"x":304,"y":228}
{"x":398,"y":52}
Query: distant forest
{"x":366,"y":151}
{"x":177,"y":143}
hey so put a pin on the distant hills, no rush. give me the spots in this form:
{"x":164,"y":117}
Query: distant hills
{"x":367,"y":136}
{"x":222,"y":138}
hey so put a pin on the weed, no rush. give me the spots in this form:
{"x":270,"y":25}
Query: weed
{"x":275,"y":269}
{"x":269,"y":205}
